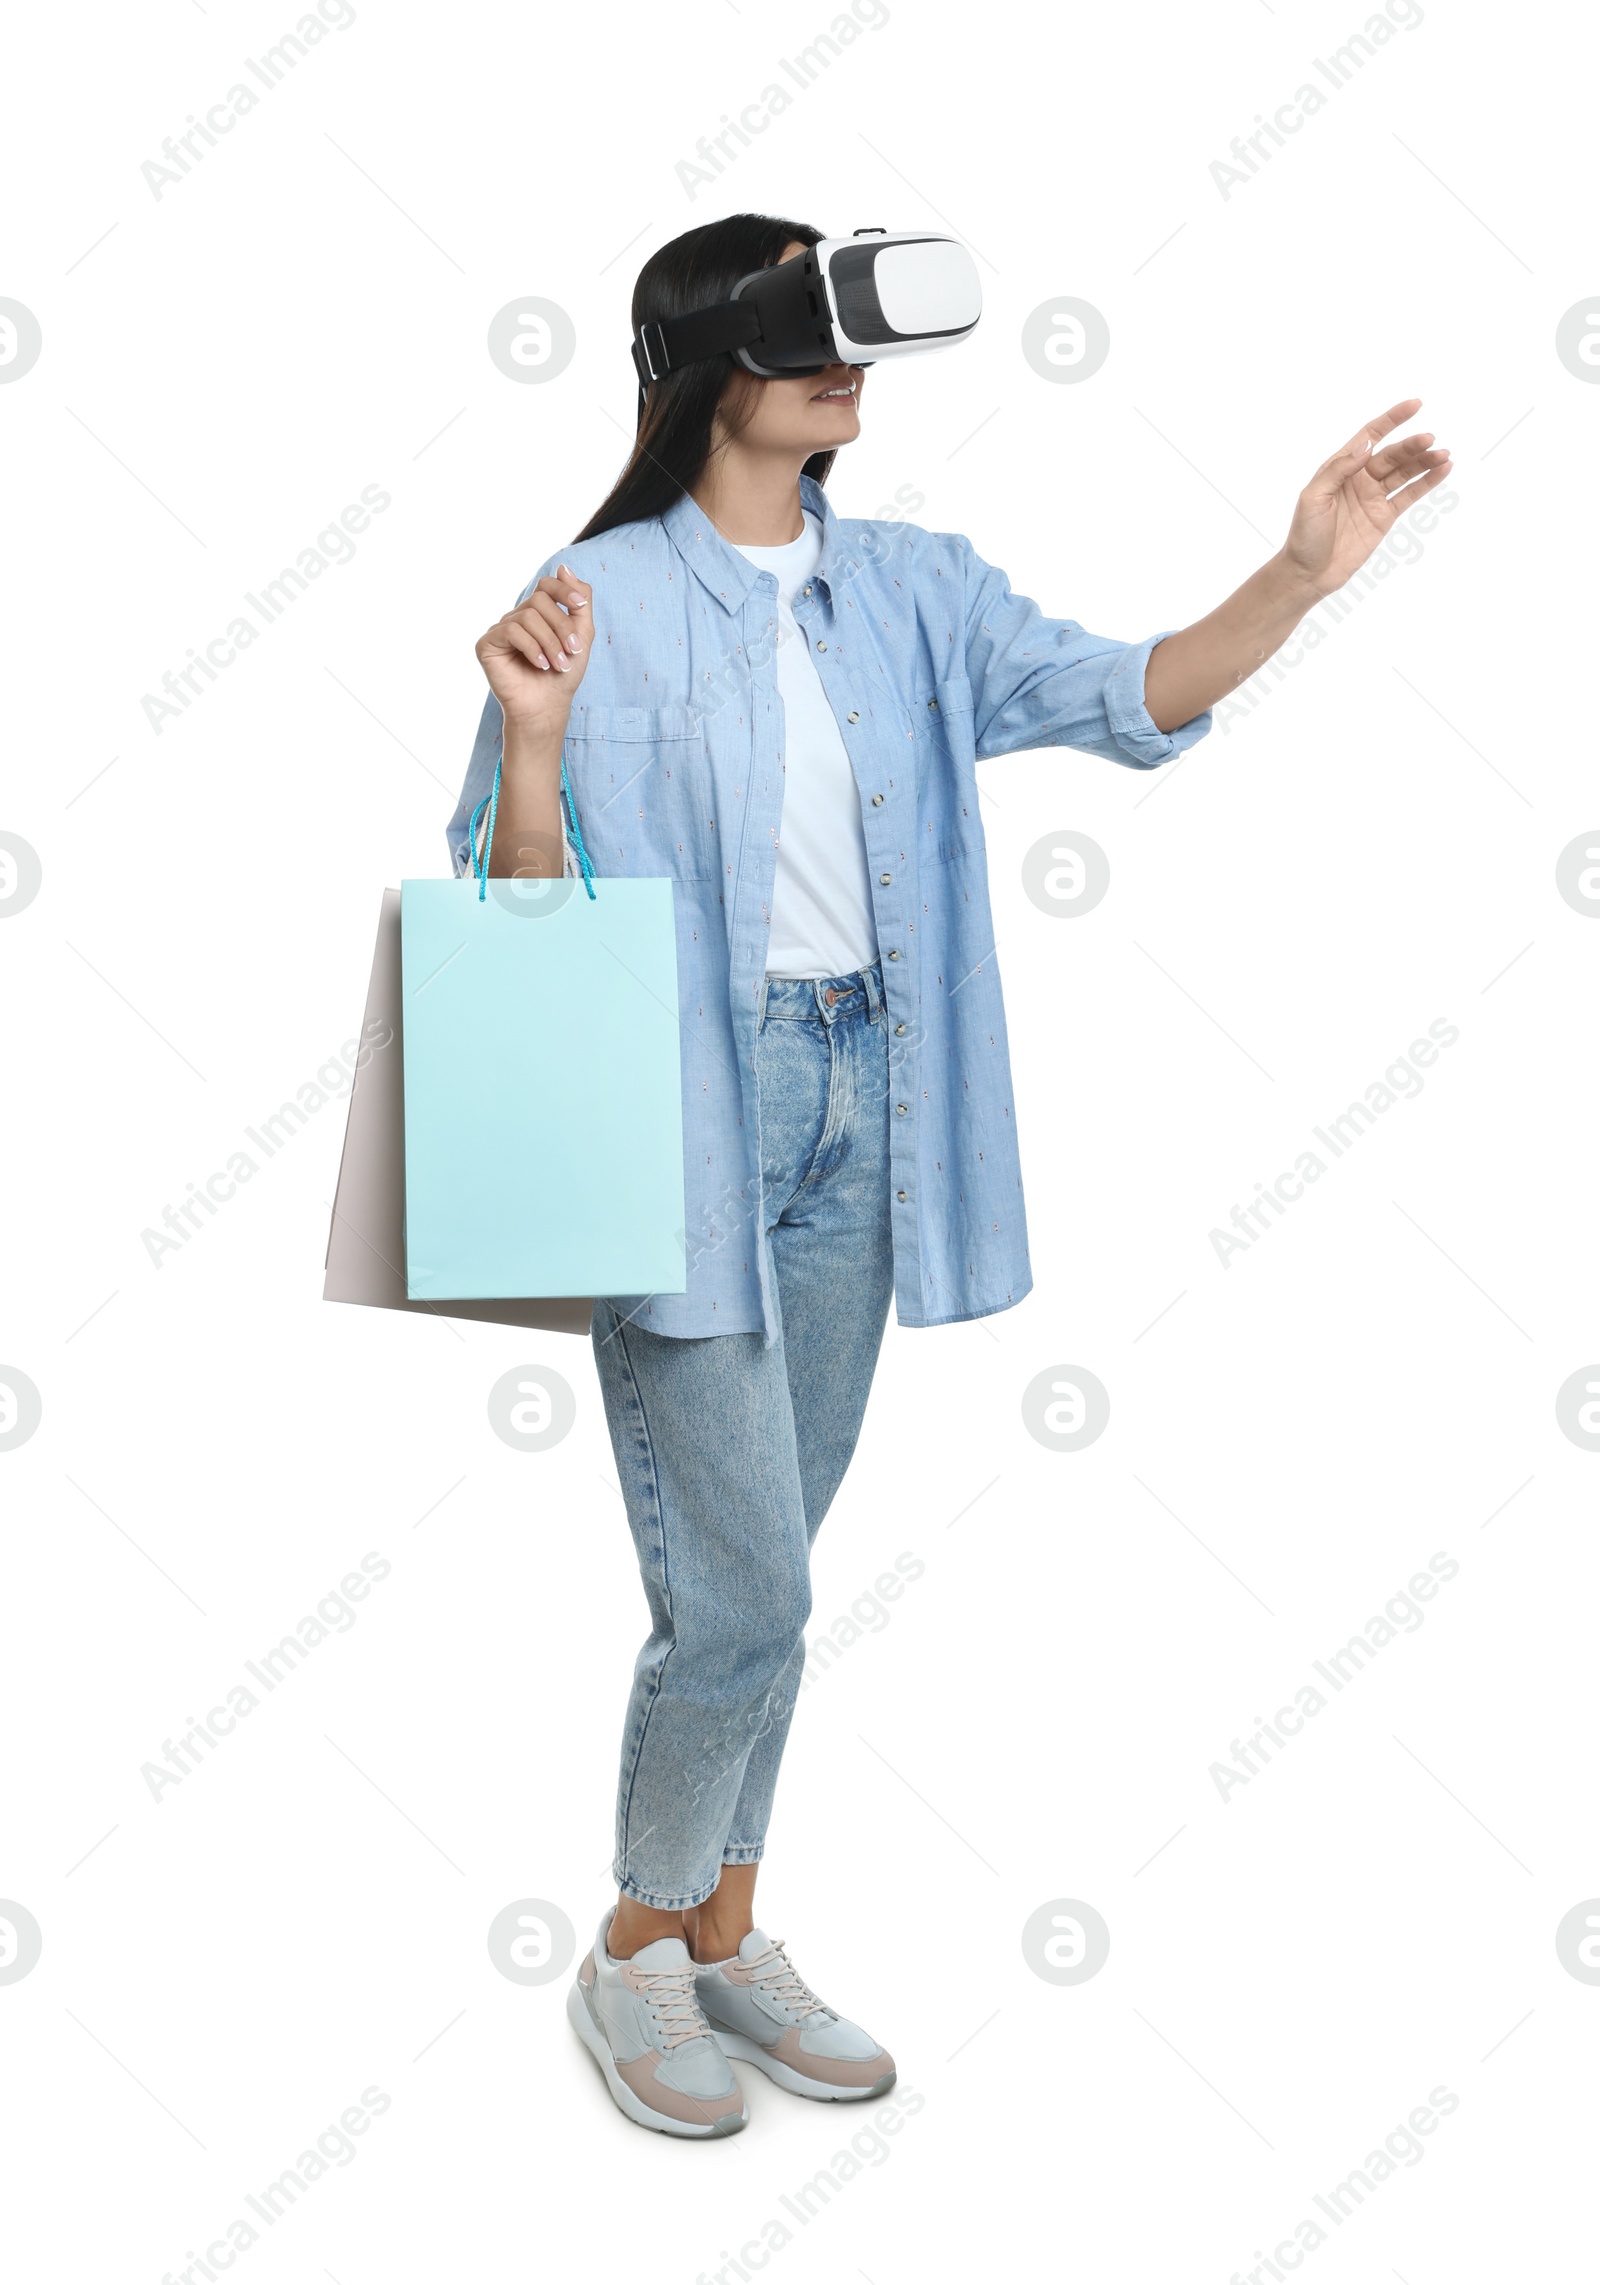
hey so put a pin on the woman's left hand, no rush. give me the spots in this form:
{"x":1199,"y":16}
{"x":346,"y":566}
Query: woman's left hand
{"x":1355,"y":497}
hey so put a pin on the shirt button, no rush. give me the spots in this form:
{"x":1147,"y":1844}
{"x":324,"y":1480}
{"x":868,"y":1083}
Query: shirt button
{"x":822,"y":646}
{"x":894,"y":955}
{"x":933,"y":706}
{"x":877,"y":801}
{"x":852,"y":717}
{"x":898,"y":1029}
{"x":885,"y":879}
{"x":900,"y":1194}
{"x":901,"y":1109}
{"x":805,"y":591}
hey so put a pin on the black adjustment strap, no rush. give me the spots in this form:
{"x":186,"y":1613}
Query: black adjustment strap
{"x":666,"y":343}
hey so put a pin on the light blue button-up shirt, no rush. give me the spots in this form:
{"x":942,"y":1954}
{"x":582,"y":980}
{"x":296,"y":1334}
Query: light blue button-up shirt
{"x":674,"y":751}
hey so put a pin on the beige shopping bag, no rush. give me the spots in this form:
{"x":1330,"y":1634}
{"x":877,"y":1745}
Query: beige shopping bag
{"x":366,"y":1239}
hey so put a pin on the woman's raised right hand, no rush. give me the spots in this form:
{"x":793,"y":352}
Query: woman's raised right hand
{"x":536,"y":655}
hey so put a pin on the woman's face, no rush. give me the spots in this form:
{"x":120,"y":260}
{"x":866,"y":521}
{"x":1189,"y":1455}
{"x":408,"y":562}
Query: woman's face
{"x":810,"y":412}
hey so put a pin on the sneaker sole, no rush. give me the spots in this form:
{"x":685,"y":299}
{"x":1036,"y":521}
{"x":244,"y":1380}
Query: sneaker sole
{"x":622,"y":2094}
{"x":739,"y":2049}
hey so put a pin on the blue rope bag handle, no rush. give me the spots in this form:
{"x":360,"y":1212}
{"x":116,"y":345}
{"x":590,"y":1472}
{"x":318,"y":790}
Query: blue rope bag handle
{"x":491,"y":802}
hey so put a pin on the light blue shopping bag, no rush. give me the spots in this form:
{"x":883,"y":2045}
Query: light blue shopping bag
{"x":543,"y":1089}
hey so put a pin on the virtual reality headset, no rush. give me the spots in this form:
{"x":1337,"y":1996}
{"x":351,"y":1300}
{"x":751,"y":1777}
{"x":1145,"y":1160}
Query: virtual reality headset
{"x":844,"y":301}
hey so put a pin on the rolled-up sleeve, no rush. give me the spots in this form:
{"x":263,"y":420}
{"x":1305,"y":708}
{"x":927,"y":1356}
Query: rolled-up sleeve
{"x":1038,"y":681}
{"x":481,"y":763}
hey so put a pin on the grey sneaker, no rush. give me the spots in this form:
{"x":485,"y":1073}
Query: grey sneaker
{"x":762,"y":2012}
{"x":641,"y":2022}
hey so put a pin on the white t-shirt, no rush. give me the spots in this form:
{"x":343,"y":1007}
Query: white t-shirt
{"x":822,"y":922}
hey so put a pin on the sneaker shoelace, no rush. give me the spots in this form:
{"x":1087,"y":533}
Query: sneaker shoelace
{"x":670,"y":1993}
{"x":775,"y":1974}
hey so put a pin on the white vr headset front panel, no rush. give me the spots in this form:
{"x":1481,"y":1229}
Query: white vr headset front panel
{"x":899,"y":293}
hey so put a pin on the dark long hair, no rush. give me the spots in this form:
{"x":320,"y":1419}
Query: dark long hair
{"x":674,"y":436}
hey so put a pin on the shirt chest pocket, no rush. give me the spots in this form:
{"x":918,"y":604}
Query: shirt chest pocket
{"x":642,"y":784}
{"x":947,"y":786}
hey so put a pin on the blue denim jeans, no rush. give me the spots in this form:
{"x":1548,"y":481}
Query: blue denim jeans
{"x":729,"y":1453}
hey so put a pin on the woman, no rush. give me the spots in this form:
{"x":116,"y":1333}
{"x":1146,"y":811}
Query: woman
{"x":715,"y":653}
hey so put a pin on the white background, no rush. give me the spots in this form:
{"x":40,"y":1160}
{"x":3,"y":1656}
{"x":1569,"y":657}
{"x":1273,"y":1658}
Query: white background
{"x":1291,"y":1437}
